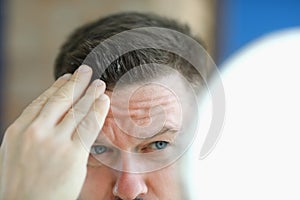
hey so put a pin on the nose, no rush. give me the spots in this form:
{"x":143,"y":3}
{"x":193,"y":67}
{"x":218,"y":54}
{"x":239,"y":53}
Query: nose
{"x":129,"y":186}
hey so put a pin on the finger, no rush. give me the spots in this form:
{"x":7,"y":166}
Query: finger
{"x":90,"y":127}
{"x":62,"y":100}
{"x":34,"y":108}
{"x":81,"y":109}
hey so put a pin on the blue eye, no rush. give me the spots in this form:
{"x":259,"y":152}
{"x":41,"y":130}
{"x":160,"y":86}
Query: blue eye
{"x":98,"y":149}
{"x":159,"y":145}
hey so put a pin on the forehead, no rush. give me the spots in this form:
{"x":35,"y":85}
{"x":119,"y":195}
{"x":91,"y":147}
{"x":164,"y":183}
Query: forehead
{"x":144,"y":109}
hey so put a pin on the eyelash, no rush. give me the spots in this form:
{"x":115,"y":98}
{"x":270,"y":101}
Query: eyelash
{"x":159,"y":143}
{"x":98,"y":151}
{"x":153,"y":146}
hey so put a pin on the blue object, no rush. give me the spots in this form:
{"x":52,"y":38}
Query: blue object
{"x":242,"y":21}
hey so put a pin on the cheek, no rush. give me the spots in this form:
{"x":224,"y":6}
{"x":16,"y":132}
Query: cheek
{"x":98,"y":184}
{"x":165,"y":183}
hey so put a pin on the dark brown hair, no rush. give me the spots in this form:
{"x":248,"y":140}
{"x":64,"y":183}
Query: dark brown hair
{"x":84,"y":39}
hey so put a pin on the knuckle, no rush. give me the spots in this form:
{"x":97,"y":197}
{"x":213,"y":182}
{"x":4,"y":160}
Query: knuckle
{"x":89,"y":124}
{"x":35,"y":132}
{"x":61,"y":96}
{"x":34,"y":128}
{"x":75,"y":79}
{"x":39,"y":101}
{"x":56,"y":85}
{"x":74,"y":116}
{"x":78,"y":112}
{"x":30,"y":109}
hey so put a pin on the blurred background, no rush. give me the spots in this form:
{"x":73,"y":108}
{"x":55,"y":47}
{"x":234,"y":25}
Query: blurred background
{"x":32,"y":32}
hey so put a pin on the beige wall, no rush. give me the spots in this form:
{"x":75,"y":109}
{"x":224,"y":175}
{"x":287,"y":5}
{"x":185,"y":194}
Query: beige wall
{"x":36,"y":29}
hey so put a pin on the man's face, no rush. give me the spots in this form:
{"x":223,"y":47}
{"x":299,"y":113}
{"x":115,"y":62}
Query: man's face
{"x":125,"y":164}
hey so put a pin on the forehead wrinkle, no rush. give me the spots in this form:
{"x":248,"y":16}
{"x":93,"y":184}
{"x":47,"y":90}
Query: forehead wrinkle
{"x":160,"y":95}
{"x":143,"y":107}
{"x":142,"y":118}
{"x":137,"y":117}
{"x":168,"y":102}
{"x":140,"y":105}
{"x":157,"y":99}
{"x":153,"y":94}
{"x":144,"y":112}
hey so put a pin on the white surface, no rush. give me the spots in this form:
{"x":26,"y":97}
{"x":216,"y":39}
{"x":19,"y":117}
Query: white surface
{"x":258,"y":155}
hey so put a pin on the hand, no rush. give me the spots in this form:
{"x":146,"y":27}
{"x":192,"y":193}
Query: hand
{"x":45,"y":151}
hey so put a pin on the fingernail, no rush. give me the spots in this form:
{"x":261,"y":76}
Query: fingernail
{"x":66,"y":76}
{"x":84,"y":68}
{"x":103,"y":97}
{"x":98,"y":83}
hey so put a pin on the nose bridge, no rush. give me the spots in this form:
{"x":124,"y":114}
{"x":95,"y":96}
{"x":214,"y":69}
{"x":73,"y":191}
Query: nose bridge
{"x":130,"y":162}
{"x":127,"y":162}
{"x":129,"y":185}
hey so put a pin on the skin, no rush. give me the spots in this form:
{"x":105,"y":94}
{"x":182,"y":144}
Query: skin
{"x":46,"y":139}
{"x":102,"y":182}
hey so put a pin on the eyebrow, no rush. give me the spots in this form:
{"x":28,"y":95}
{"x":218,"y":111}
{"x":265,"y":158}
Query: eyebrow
{"x":164,"y":130}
